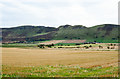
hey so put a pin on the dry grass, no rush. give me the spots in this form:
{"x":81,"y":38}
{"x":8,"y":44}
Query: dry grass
{"x":36,"y":57}
{"x":19,"y":62}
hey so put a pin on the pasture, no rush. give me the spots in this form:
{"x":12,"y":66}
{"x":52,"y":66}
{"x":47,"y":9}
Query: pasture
{"x":35,"y":62}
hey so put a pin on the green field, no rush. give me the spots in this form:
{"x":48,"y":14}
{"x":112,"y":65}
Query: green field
{"x":19,"y":45}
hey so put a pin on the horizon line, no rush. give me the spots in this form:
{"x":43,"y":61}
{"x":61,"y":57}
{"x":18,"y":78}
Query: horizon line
{"x":50,"y":25}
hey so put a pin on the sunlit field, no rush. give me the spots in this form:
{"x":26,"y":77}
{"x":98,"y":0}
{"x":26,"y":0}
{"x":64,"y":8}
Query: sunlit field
{"x":53,"y":62}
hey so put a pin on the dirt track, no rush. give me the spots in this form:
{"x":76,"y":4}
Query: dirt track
{"x":36,"y":57}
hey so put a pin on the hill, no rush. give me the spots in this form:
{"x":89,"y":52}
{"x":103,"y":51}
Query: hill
{"x":99,"y":33}
{"x":27,"y":33}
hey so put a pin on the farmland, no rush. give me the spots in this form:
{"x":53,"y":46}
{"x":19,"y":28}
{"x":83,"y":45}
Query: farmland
{"x":55,"y":62}
{"x":63,"y":51}
{"x":63,"y":41}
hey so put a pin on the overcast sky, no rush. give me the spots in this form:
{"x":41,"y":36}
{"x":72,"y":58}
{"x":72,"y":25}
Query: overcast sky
{"x":58,"y":12}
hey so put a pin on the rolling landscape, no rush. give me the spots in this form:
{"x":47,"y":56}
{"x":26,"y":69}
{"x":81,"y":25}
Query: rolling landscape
{"x":99,"y":33}
{"x":66,"y":51}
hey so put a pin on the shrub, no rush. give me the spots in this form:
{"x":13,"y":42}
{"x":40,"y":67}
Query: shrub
{"x":90,"y":46}
{"x":108,"y":47}
{"x":86,"y":47}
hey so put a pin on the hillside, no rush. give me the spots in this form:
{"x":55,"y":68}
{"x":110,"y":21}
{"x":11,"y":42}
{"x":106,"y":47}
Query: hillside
{"x":99,"y":33}
{"x":105,"y":32}
{"x":27,"y":33}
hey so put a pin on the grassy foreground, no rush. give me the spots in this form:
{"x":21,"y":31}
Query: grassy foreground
{"x":59,"y":71}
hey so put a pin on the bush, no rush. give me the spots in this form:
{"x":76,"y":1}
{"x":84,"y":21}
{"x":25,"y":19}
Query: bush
{"x":100,"y":46}
{"x":86,"y":47}
{"x":90,"y":46}
{"x":108,"y":47}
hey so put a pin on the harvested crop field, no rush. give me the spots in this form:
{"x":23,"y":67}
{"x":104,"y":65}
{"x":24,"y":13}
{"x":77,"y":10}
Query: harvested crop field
{"x":36,"y":57}
{"x":19,"y":58}
{"x":63,"y":41}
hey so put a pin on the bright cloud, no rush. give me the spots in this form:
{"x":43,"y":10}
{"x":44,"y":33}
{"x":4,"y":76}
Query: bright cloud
{"x":58,"y":12}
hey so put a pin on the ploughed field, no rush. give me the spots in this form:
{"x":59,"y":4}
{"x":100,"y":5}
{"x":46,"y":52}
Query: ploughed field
{"x":35,"y":62}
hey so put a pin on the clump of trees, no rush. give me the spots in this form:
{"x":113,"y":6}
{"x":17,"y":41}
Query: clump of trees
{"x":50,"y":45}
{"x":43,"y":46}
{"x":77,"y":44}
{"x":87,"y":47}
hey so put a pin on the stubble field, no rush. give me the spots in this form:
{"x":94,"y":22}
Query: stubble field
{"x":20,"y":62}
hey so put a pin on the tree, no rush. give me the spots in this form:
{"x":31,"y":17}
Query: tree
{"x":111,"y":44}
{"x":90,"y":46}
{"x":100,"y":46}
{"x":50,"y":45}
{"x":86,"y":47}
{"x":77,"y":44}
{"x":41,"y":46}
{"x":108,"y":47}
